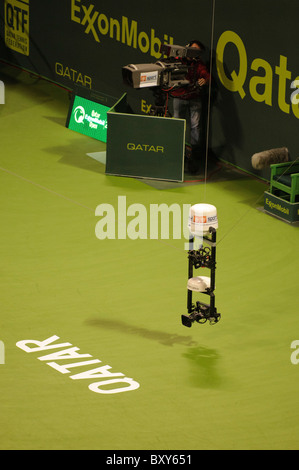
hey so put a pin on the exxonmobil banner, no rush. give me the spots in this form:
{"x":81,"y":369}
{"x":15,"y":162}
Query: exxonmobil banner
{"x":254,"y":100}
{"x":86,"y":43}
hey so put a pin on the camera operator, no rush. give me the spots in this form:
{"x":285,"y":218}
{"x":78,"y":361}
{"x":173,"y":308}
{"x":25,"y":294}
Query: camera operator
{"x":187,"y":103}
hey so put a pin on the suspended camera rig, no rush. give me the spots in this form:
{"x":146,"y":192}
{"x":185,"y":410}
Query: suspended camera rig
{"x":204,"y":257}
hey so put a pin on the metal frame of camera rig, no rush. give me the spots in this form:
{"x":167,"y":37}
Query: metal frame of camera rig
{"x":204,"y":257}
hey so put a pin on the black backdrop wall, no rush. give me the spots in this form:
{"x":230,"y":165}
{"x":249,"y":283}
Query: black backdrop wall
{"x":254,"y":58}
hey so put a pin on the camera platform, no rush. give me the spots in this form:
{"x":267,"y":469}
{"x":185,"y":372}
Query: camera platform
{"x":201,"y":314}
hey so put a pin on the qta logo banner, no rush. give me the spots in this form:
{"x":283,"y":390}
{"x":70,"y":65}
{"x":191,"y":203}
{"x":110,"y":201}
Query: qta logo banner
{"x":17,"y":25}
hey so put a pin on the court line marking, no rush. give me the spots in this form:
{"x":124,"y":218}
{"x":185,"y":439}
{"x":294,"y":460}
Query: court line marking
{"x":45,"y":188}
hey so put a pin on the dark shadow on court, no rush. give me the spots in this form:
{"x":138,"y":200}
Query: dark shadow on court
{"x":205,"y":367}
{"x":167,"y":339}
{"x":75,"y":154}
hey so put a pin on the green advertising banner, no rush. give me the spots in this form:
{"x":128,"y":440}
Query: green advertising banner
{"x":281,"y":208}
{"x":89,"y":118}
{"x":88,"y":112}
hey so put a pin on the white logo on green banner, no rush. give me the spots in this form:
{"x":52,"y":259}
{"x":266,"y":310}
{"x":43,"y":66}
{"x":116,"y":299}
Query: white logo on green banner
{"x":89,"y":118}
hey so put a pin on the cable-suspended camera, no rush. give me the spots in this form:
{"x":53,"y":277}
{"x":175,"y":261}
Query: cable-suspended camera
{"x":202,"y":224}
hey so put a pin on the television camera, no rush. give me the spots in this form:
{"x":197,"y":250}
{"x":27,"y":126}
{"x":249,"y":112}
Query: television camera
{"x":167,"y":73}
{"x":164,"y":75}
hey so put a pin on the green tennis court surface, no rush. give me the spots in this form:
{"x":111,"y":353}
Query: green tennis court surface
{"x":119,"y":301}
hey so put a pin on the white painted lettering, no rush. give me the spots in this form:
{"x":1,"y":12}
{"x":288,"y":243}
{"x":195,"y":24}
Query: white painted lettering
{"x":40,"y":345}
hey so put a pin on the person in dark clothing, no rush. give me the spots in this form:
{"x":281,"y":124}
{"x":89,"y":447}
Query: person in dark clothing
{"x":187,"y":101}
